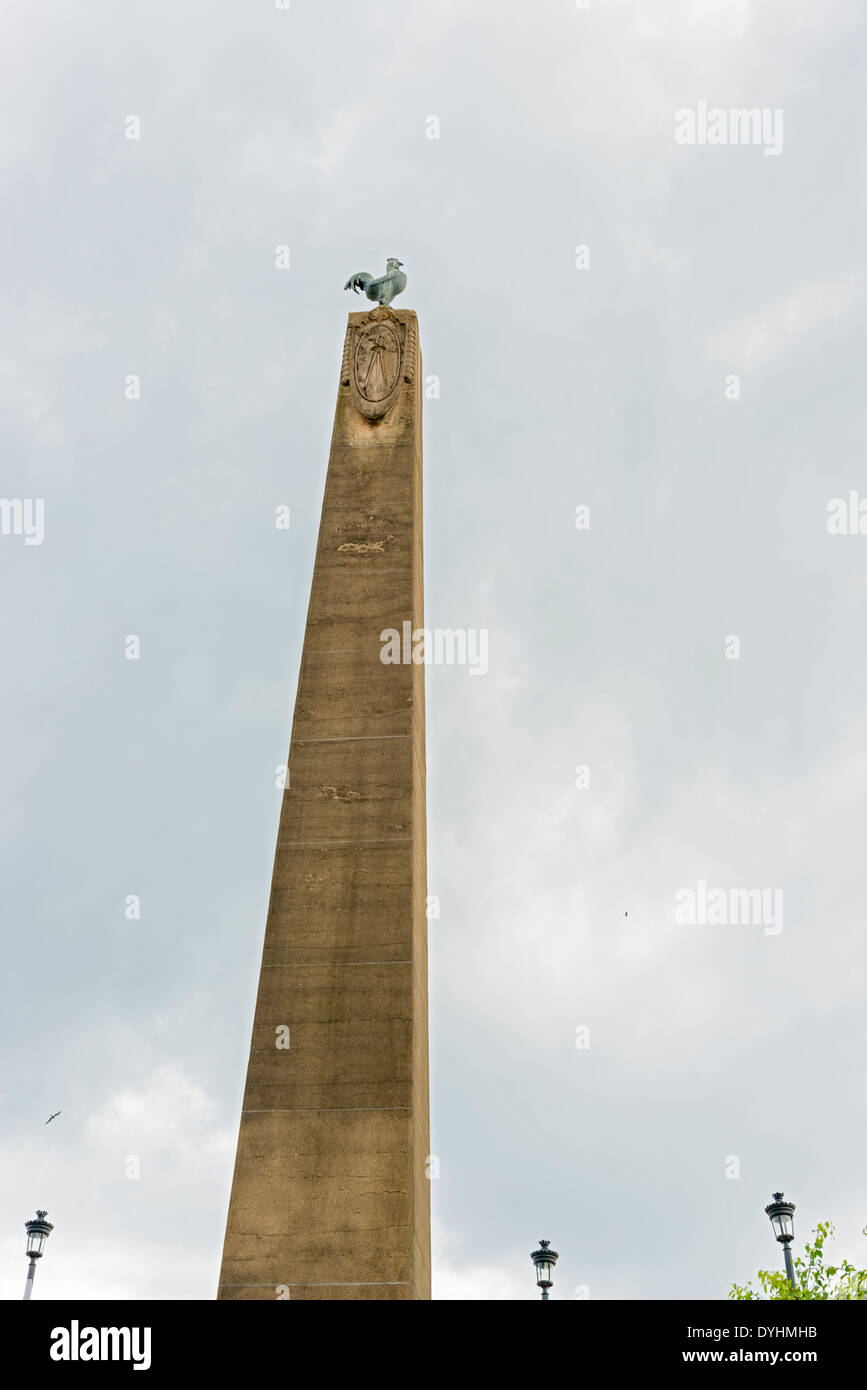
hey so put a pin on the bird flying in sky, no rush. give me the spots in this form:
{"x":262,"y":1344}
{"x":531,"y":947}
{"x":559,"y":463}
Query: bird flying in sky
{"x":54,"y":1116}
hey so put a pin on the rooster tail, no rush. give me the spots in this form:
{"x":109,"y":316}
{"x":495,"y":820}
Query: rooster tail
{"x":359,"y":282}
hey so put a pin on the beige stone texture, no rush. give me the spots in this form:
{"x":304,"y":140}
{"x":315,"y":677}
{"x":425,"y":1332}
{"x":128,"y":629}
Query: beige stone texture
{"x":330,"y":1197}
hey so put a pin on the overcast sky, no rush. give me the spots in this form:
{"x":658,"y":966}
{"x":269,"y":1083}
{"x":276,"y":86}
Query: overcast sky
{"x":607,"y":386}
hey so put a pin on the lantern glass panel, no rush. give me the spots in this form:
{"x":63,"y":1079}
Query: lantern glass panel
{"x":784,"y":1226}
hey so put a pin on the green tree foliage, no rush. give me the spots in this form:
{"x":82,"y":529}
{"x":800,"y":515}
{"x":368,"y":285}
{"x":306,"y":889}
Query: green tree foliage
{"x":815,"y":1279}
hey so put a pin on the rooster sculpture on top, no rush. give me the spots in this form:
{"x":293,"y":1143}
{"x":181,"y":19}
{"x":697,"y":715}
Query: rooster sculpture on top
{"x":383,"y":290}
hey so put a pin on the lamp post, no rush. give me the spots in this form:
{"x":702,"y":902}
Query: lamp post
{"x":544,"y":1259}
{"x":38,"y":1232}
{"x":782,"y":1219}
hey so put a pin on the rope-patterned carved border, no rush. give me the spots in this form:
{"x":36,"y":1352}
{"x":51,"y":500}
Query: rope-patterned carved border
{"x":410,"y":351}
{"x":347,"y":346}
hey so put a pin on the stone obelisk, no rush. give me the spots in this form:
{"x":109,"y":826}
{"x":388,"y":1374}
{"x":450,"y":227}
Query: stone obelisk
{"x":330,"y":1197}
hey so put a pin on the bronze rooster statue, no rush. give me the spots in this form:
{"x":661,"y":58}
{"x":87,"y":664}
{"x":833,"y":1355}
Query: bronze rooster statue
{"x":383,"y":290}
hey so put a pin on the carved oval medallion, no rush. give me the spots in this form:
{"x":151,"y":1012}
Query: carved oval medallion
{"x":376,"y":374}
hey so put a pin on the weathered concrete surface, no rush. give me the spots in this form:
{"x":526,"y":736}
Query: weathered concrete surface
{"x":330,"y":1198}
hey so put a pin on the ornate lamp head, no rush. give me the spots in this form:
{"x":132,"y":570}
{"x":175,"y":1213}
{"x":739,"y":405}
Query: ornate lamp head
{"x":38,"y":1232}
{"x":544,"y":1259}
{"x":782,"y":1215}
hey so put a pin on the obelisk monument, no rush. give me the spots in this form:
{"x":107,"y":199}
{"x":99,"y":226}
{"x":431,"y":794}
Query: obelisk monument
{"x":330,"y":1197}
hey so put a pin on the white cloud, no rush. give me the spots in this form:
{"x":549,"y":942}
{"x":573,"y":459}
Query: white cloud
{"x":166,"y":1111}
{"x":791,"y":324}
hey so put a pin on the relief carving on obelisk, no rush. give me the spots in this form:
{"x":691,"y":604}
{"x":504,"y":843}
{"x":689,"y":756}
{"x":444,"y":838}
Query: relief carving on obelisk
{"x":376,"y":362}
{"x":378,"y":358}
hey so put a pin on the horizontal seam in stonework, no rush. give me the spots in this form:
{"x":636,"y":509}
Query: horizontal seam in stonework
{"x":330,"y":1284}
{"x":351,"y":738}
{"x":338,"y":651}
{"x":329,"y":1109}
{"x":297,"y":964}
{"x":398,"y":840}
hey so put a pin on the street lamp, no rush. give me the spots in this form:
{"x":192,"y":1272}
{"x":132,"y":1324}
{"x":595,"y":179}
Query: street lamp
{"x":782,"y":1219}
{"x":38,"y":1232}
{"x":544,"y":1259}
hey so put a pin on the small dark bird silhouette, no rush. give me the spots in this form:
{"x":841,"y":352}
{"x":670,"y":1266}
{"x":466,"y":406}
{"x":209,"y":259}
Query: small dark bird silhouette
{"x":54,"y":1116}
